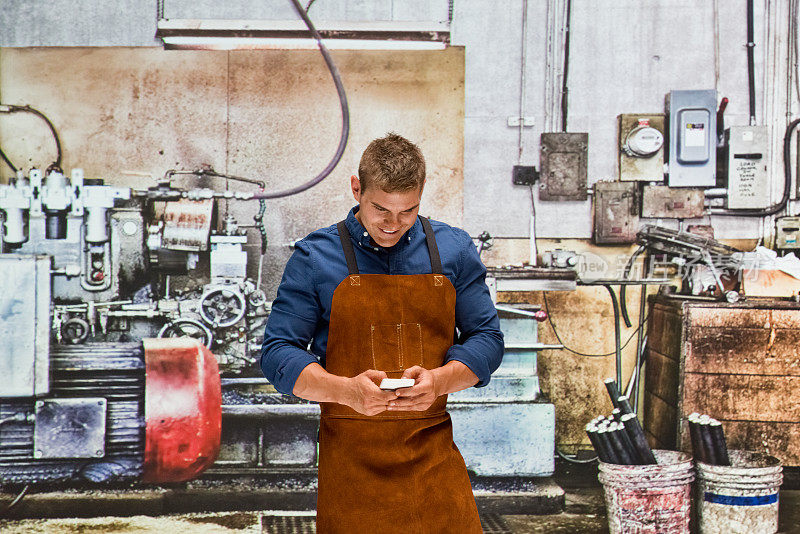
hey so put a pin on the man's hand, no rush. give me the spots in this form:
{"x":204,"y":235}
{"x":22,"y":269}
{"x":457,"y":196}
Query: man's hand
{"x":364,"y":396}
{"x":418,"y":397}
{"x":431,"y":384}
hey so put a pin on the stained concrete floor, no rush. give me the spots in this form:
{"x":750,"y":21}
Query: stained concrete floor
{"x":252,"y":522}
{"x":575,"y":520}
{"x":584,"y":514}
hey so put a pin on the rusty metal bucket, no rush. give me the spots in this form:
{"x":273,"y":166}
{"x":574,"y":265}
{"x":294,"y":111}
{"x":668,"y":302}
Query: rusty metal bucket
{"x":649,"y":499}
{"x":741,"y":498}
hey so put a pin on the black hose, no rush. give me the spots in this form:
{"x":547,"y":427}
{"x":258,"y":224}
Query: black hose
{"x":787,"y":180}
{"x":564,"y":88}
{"x":8,"y":161}
{"x":624,"y":306}
{"x":15,"y":502}
{"x":622,"y":290}
{"x":617,"y":342}
{"x":575,"y":460}
{"x":345,"y":115}
{"x":28,"y":109}
{"x":751,"y":75}
{"x":211,"y":172}
{"x":262,"y":230}
{"x":568,"y":349}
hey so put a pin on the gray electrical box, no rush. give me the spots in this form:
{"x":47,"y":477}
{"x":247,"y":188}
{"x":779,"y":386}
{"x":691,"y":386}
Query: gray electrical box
{"x":692,"y":138}
{"x":563,"y":162}
{"x":662,"y":202}
{"x":748,"y":162}
{"x":615,"y":213}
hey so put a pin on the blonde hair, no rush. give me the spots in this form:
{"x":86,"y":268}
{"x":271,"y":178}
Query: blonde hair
{"x":392,"y":163}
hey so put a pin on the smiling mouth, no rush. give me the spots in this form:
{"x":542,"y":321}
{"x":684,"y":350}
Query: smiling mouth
{"x":389,"y":232}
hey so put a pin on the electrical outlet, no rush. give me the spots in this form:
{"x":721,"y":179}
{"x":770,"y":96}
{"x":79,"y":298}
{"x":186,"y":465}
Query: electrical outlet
{"x":525,"y":175}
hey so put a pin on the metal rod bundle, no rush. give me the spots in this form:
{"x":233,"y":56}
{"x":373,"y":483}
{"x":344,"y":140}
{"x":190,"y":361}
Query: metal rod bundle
{"x":708,"y":440}
{"x":619,"y":439}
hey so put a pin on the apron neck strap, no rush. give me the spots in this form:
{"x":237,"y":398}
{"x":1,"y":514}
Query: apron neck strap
{"x":347,"y":247}
{"x":433,"y":250}
{"x":350,"y":255}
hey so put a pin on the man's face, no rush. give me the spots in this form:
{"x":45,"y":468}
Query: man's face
{"x":386,"y":216}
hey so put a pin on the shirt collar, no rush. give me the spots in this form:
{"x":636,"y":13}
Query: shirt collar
{"x":360,"y":234}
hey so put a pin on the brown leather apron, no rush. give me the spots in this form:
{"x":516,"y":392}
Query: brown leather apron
{"x":395,"y":471}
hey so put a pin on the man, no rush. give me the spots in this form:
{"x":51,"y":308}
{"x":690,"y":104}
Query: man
{"x":381,"y":294}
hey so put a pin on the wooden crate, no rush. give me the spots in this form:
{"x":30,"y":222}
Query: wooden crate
{"x":739,"y":363}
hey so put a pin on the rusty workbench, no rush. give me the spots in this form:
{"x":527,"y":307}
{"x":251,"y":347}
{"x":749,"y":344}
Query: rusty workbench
{"x":739,"y":363}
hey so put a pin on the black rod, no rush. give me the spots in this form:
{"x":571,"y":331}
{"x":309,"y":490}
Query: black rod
{"x":706,"y":439}
{"x":624,"y":404}
{"x":605,"y":439}
{"x":698,"y":451}
{"x":624,"y":455}
{"x":613,"y":391}
{"x":718,"y":439}
{"x":636,"y":433}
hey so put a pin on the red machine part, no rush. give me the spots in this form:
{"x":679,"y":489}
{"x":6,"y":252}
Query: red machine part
{"x":183,"y":411}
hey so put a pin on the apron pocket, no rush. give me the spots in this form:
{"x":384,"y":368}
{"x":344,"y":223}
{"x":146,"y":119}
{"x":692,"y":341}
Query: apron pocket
{"x":396,"y":347}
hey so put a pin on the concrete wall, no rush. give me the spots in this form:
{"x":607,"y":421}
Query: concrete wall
{"x":624,"y":57}
{"x":275,"y":115}
{"x":133,"y":22}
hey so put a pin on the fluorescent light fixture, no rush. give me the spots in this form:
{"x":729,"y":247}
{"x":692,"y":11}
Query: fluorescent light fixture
{"x":293,"y":35}
{"x":278,"y":43}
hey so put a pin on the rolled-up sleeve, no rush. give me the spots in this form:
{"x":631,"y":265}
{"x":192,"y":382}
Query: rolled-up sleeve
{"x":291,"y":323}
{"x":480,"y":344}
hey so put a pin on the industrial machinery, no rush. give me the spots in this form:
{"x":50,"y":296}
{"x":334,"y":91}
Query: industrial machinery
{"x":132,"y":336}
{"x":708,"y":266}
{"x":110,"y":373}
{"x":120,"y":309}
{"x":111,"y":267}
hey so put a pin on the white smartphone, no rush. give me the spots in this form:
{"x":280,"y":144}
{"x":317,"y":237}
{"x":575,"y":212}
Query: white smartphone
{"x":396,"y":383}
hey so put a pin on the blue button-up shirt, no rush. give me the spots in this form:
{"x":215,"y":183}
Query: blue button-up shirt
{"x":297,"y":330}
